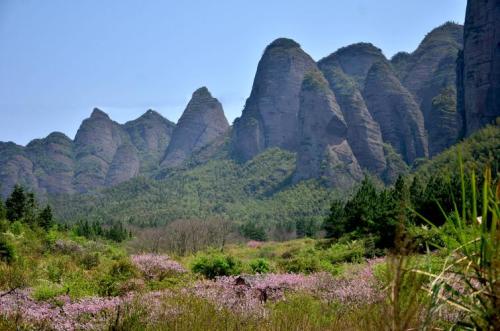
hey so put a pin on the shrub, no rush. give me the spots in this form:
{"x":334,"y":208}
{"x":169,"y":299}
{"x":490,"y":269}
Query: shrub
{"x":155,"y":266}
{"x":112,"y":284}
{"x":260,"y":266}
{"x":17,"y":228}
{"x":48,"y":290}
{"x":353,"y":251}
{"x":305,"y":261}
{"x":7,"y":251}
{"x":90,"y":260}
{"x":212,"y":265}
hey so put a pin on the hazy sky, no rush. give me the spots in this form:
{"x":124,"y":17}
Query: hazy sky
{"x":61,"y":58}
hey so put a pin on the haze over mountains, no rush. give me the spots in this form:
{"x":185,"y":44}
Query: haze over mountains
{"x":351,"y":113}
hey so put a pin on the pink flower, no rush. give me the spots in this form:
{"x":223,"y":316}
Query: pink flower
{"x":155,"y":266}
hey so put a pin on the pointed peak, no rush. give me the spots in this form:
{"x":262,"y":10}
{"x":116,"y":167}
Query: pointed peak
{"x":150,"y":113}
{"x":97,"y":113}
{"x":202,"y":92}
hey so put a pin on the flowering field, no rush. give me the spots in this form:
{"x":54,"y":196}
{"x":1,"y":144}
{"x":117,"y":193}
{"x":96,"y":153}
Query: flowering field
{"x":59,"y":281}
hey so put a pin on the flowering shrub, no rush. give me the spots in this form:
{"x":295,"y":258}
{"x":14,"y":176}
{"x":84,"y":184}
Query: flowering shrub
{"x":154,"y":266}
{"x":246,"y":294}
{"x":86,"y":314}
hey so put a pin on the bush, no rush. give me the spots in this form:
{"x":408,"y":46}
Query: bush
{"x":90,"y":260}
{"x":48,"y":290}
{"x":353,"y":251}
{"x":260,"y":266}
{"x":17,"y":228}
{"x":7,"y":251}
{"x":112,"y":284}
{"x":305,"y":261}
{"x":212,"y":265}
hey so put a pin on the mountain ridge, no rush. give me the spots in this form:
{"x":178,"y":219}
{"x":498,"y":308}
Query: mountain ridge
{"x":406,"y":104}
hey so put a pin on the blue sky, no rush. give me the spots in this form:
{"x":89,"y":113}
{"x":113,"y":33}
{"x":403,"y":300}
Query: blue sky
{"x":60,"y":58}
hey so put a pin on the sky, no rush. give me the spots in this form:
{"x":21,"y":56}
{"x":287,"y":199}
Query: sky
{"x":59,"y":59}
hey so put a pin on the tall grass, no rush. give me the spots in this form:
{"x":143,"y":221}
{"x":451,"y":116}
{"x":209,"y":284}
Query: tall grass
{"x":469,"y":279}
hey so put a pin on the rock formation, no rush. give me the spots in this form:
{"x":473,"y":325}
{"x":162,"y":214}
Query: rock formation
{"x":356,"y":60}
{"x":270,"y":115}
{"x":104,"y":153}
{"x":150,"y":134}
{"x":429,"y":74}
{"x":479,"y":74}
{"x":324,"y":151}
{"x":393,"y":107}
{"x":96,"y":143}
{"x":363,"y":133}
{"x":202,"y":122}
{"x":53,"y":162}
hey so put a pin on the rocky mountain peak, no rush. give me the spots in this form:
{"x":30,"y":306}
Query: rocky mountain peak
{"x":202,"y":122}
{"x":98,"y":114}
{"x":270,"y":116}
{"x":202,"y":92}
{"x":357,"y":59}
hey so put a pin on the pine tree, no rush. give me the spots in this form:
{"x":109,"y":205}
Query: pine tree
{"x":45,"y":218}
{"x":16,"y":204}
{"x":334,"y":224}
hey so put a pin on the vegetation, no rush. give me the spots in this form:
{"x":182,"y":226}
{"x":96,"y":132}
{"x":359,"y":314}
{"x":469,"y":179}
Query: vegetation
{"x":423,"y":253}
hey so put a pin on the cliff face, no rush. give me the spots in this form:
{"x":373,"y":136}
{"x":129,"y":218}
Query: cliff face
{"x":202,"y":122}
{"x":429,"y":74}
{"x":270,"y":115}
{"x":15,"y":168}
{"x":53,"y":162}
{"x":324,"y":151}
{"x":363,"y":133}
{"x":480,"y":67}
{"x":397,"y":113}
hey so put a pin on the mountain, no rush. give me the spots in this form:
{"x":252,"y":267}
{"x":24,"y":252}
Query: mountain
{"x":202,"y":122}
{"x":352,"y":113}
{"x":258,"y":190}
{"x":270,"y":116}
{"x":429,"y":73}
{"x":479,"y":65}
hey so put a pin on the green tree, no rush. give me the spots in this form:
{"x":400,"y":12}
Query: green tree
{"x":45,"y":218}
{"x":16,"y":204}
{"x":334,"y":224}
{"x":254,"y":231}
